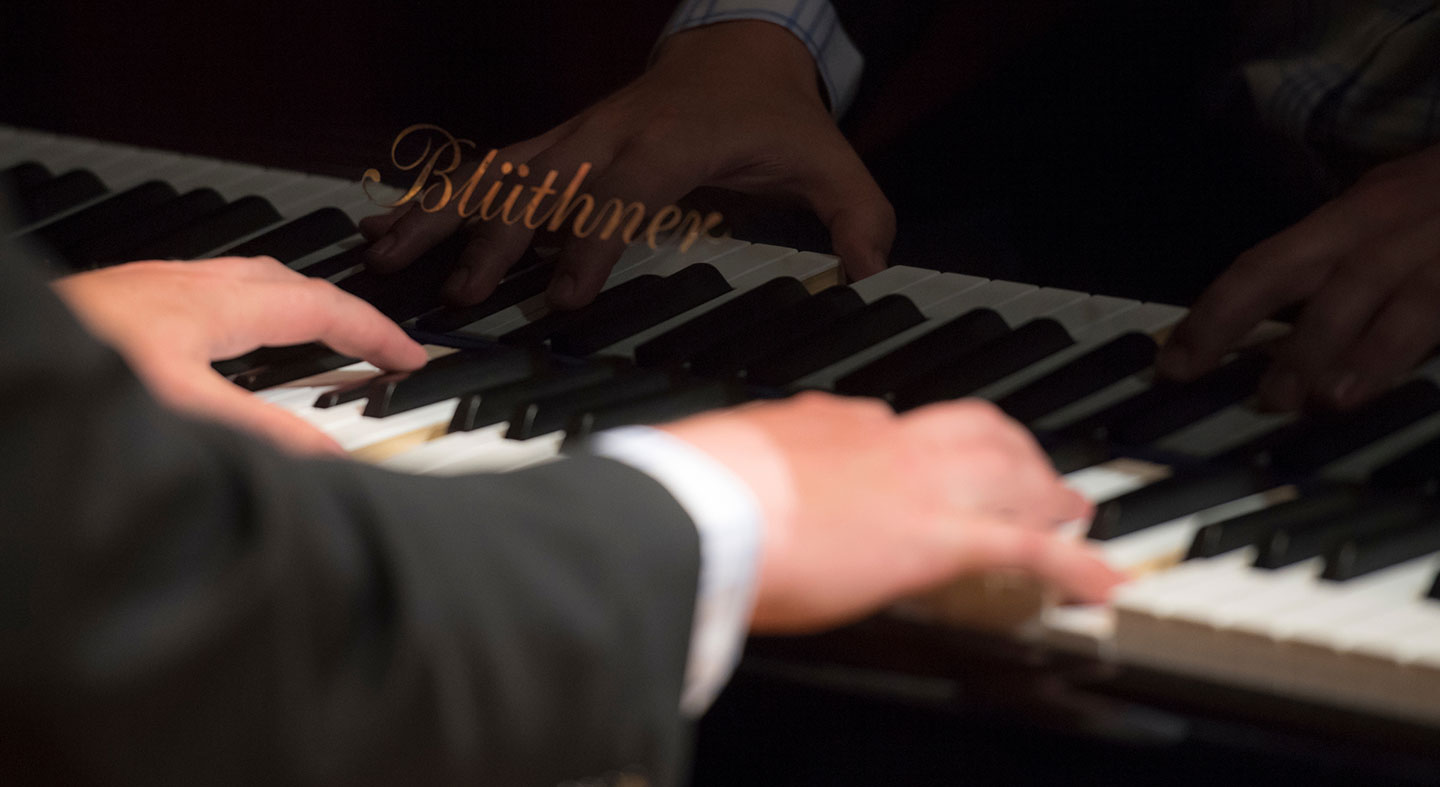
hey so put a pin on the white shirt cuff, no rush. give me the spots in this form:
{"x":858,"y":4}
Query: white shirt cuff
{"x":814,"y":22}
{"x":728,"y":519}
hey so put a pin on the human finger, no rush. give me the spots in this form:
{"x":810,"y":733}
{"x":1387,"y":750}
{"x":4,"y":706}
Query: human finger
{"x":1334,"y":319}
{"x":644,"y":178}
{"x":1284,"y":269}
{"x":284,"y":313}
{"x":1404,"y":332}
{"x":1071,"y":567}
{"x":207,"y":395}
{"x":373,"y":227}
{"x":852,"y":207}
{"x":407,"y":236}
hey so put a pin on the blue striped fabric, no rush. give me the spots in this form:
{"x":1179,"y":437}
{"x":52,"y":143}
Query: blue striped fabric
{"x":1356,"y":82}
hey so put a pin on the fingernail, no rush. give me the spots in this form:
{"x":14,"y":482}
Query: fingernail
{"x":563,"y":288}
{"x":382,"y":247}
{"x":457,"y":285}
{"x":1174,"y":361}
{"x":1282,"y":390}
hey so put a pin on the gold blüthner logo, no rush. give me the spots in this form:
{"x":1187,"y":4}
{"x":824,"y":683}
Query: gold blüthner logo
{"x":437,"y":184}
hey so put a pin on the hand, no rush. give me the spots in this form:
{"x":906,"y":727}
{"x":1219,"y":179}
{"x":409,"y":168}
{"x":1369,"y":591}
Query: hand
{"x":171,"y":319}
{"x":1367,"y":268}
{"x":863,"y":507}
{"x":734,"y":105}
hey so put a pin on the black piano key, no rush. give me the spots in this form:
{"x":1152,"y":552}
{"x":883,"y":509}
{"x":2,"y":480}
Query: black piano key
{"x":58,"y":194}
{"x":676,"y":294}
{"x":1231,"y":384}
{"x":295,"y":239}
{"x":681,"y":343}
{"x":1165,"y":407}
{"x":515,"y":289}
{"x":1092,"y":372}
{"x":353,"y":391}
{"x":106,"y":215}
{"x":1071,"y":452}
{"x":222,"y":227}
{"x":1182,"y":494}
{"x":1435,"y":589}
{"x":1361,"y":555}
{"x":448,"y":378}
{"x":163,"y":219}
{"x":289,"y":371}
{"x":1382,"y":513}
{"x":846,"y":336}
{"x":806,"y":318}
{"x":337,"y":263}
{"x":25,"y":175}
{"x":1031,"y":342}
{"x":627,"y":296}
{"x":1314,"y":443}
{"x":1250,"y":529}
{"x":1418,"y":467}
{"x":944,"y":345}
{"x":683,"y":402}
{"x":411,"y":292}
{"x":266,"y":356}
{"x":550,"y":413}
{"x":480,"y":409}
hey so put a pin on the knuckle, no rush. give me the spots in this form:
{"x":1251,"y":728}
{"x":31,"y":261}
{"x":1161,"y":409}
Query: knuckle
{"x":984,"y":412}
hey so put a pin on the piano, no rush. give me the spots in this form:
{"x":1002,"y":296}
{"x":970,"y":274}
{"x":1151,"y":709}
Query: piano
{"x":1286,"y":597}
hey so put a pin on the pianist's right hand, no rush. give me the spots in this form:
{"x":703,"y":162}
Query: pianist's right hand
{"x":734,"y":105}
{"x":863,"y":506}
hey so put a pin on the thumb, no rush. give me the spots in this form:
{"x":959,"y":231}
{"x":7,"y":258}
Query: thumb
{"x":209,"y":396}
{"x":1073,"y":568}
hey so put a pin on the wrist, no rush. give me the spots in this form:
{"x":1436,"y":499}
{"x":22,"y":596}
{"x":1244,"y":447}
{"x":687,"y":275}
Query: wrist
{"x":754,"y":458}
{"x":746,"y":53}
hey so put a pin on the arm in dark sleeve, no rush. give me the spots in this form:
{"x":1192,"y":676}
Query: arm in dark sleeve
{"x":180,"y":605}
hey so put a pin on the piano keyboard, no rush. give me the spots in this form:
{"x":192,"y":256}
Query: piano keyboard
{"x":1295,"y":556}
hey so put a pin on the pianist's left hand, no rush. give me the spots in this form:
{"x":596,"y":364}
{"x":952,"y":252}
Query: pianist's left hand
{"x":171,"y":319}
{"x":1366,"y":266}
{"x":735,"y":105}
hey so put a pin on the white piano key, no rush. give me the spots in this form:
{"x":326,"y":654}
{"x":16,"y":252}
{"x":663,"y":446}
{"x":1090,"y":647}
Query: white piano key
{"x":1271,"y":593}
{"x":321,"y":382}
{"x":309,"y":194}
{"x":1112,"y":479}
{"x":1093,"y":311}
{"x":1339,"y":605}
{"x":31,"y":148}
{"x":506,"y":456}
{"x":891,"y":281}
{"x":1234,"y":426}
{"x":447,"y":450}
{"x":354,"y":435}
{"x":80,"y":154}
{"x":1038,"y":303}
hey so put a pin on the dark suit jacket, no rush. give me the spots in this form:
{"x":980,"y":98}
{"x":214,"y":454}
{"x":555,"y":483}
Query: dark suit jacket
{"x":181,"y":605}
